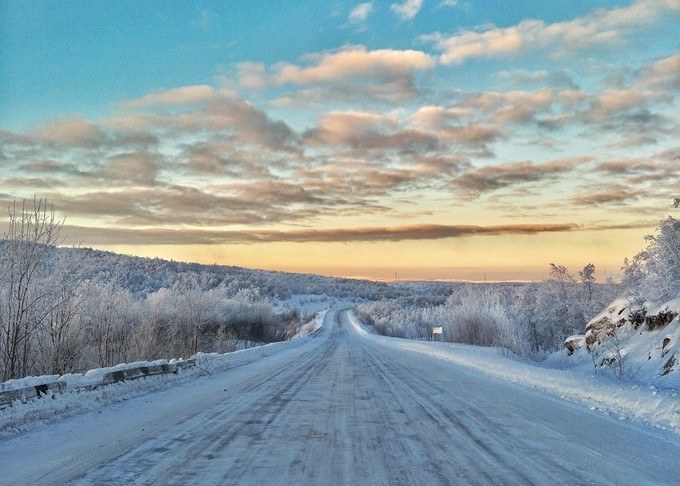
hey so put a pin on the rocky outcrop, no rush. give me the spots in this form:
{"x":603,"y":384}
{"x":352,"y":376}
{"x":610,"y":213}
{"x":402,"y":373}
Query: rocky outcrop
{"x":574,"y":343}
{"x":640,"y":337}
{"x":662,"y":319}
{"x":606,"y":324}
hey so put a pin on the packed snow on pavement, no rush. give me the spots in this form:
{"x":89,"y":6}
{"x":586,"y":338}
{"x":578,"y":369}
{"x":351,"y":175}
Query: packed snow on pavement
{"x":348,"y":406}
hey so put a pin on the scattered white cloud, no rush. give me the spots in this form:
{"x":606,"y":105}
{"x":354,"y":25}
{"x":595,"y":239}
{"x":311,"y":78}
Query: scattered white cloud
{"x":600,"y":28}
{"x":180,"y":96}
{"x":376,"y":135}
{"x":408,"y":9}
{"x":349,"y":73}
{"x":354,"y":61}
{"x":360,"y":13}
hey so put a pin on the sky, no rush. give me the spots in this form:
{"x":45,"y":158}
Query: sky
{"x":421,"y":139}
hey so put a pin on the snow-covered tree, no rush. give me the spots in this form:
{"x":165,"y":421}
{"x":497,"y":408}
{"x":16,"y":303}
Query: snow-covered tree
{"x":654,"y":273}
{"x":32,"y":231}
{"x":588,"y":279}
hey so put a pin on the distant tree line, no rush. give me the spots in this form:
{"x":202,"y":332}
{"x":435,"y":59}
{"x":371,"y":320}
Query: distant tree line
{"x":530,"y":319}
{"x":533,"y":319}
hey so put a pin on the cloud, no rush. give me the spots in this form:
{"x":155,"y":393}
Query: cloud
{"x":600,"y":28}
{"x":252,"y":75}
{"x":160,"y":236}
{"x":497,"y":106}
{"x":616,"y":195}
{"x":186,"y":206}
{"x":200,"y":163}
{"x":368,"y":91}
{"x":350,"y":73}
{"x":354,"y":62}
{"x":556,"y":79}
{"x":433,"y":117}
{"x":76,"y":132}
{"x":662,"y":74}
{"x":495,"y":177}
{"x":365,"y":130}
{"x":408,"y":9}
{"x":203,"y":109}
{"x":459,"y":124}
{"x":649,"y":174}
{"x":181,"y":96}
{"x":611,"y":102}
{"x":133,"y":168}
{"x":360,"y":13}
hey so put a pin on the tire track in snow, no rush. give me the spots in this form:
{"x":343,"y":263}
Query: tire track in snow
{"x":345,"y":409}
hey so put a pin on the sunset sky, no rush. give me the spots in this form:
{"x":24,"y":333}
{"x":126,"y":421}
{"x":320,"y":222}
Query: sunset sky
{"x":435,"y":139}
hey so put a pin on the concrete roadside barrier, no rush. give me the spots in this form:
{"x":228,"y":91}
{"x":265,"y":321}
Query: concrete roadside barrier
{"x":142,"y":371}
{"x":43,"y":389}
{"x":29,"y":392}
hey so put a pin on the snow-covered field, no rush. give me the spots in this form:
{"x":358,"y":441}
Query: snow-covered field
{"x":345,"y":406}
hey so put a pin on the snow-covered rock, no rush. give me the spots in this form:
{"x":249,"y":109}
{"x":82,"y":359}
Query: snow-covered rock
{"x":637,"y":341}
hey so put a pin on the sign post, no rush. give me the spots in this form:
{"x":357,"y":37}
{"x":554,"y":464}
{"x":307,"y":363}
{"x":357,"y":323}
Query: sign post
{"x":438,"y":330}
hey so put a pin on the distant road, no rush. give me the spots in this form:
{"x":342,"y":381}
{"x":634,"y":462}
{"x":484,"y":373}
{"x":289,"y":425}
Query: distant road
{"x":342,"y":409}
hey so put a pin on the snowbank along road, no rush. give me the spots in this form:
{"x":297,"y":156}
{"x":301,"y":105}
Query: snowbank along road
{"x":339,"y":408}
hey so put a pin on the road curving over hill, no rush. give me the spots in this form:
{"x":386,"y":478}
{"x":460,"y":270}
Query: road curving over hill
{"x":339,"y":408}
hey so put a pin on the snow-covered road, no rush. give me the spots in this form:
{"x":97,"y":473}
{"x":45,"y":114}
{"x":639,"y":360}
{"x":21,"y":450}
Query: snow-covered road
{"x":340,"y":408}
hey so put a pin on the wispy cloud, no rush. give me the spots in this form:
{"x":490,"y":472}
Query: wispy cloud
{"x":360,"y":13}
{"x":350,"y":74}
{"x":108,"y":236}
{"x":199,"y":163}
{"x":407,"y":9}
{"x":601,"y":28}
{"x":181,"y":96}
{"x":490,"y":178}
{"x":368,"y":130}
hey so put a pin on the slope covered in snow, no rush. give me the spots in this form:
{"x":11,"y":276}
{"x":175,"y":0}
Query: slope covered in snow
{"x":639,"y":343}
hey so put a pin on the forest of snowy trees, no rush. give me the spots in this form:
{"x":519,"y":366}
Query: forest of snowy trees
{"x":70,"y":309}
{"x":530,"y":319}
{"x":533,"y":319}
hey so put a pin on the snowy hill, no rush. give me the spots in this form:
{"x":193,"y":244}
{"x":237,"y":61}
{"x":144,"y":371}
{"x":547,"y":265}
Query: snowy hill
{"x":640,"y":342}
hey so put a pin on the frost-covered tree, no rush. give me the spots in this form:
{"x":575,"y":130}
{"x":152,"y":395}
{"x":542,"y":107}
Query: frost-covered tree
{"x":588,"y":279}
{"x":654,"y":273}
{"x":558,"y":309}
{"x":108,"y":313}
{"x":663,"y":259}
{"x":526,"y":315}
{"x":33,"y":229}
{"x":60,"y":336}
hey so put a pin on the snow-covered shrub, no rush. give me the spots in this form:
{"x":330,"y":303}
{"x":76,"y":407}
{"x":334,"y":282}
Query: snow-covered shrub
{"x":477,"y":317}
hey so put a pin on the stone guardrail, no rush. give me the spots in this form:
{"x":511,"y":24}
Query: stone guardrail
{"x":38,"y":391}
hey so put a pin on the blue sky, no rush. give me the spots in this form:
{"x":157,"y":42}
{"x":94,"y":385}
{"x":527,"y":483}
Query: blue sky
{"x":436,"y":137}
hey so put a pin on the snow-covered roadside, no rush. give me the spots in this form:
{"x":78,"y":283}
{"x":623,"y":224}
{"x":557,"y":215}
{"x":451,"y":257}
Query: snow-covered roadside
{"x":305,"y":304}
{"x":654,"y":406}
{"x":312,"y":326}
{"x":80,"y":392}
